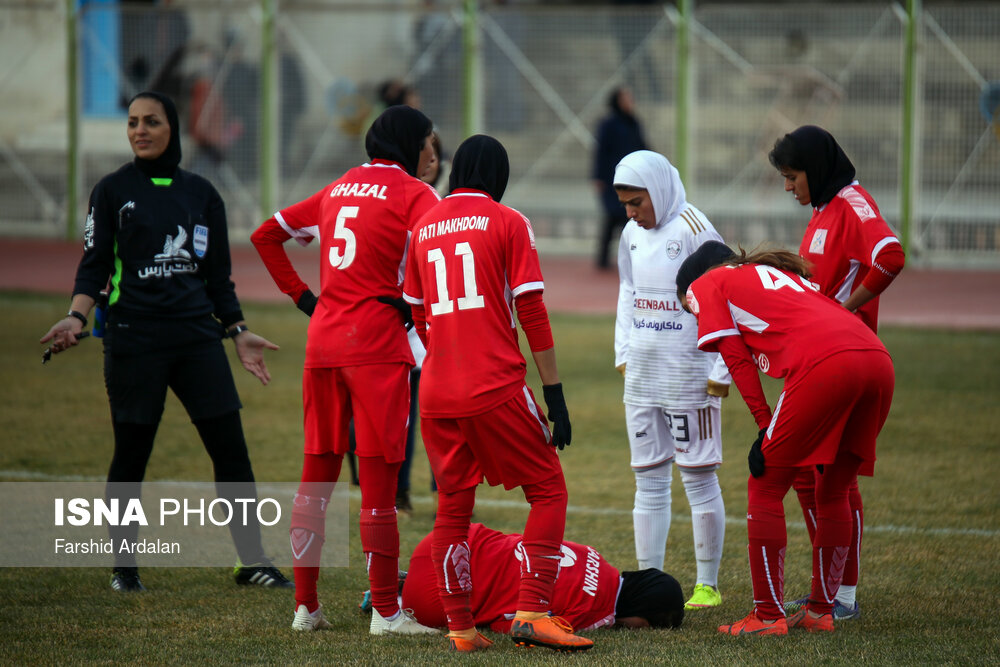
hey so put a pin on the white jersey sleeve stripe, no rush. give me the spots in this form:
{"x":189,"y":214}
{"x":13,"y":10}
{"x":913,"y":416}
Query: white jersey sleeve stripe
{"x":847,"y":286}
{"x":528,"y":287}
{"x":412,"y":299}
{"x":715,"y":335}
{"x":302,"y":236}
{"x":881,"y":244}
{"x":532,"y":408}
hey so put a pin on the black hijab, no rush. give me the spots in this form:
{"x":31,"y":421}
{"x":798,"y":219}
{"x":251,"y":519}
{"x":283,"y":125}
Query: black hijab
{"x":652,"y":595}
{"x":398,"y":135}
{"x":708,"y":254}
{"x":165,"y":165}
{"x":480,"y":163}
{"x":827,"y":167}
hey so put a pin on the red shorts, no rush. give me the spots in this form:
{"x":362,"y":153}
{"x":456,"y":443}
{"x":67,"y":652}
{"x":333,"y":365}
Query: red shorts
{"x":377,"y":396}
{"x":838,"y":405}
{"x":509,"y":445}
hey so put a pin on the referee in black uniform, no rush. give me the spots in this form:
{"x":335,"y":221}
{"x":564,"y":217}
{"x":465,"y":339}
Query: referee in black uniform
{"x":158,"y":234}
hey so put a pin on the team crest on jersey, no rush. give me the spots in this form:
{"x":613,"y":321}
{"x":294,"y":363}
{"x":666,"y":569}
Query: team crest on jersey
{"x":673,"y":249}
{"x":200,"y":240}
{"x":818,"y":243}
{"x":763,"y":363}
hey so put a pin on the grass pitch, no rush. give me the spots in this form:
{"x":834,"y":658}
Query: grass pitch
{"x":929,"y":582}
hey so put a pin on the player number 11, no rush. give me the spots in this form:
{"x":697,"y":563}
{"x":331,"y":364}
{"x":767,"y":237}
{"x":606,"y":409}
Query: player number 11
{"x":472,"y":298}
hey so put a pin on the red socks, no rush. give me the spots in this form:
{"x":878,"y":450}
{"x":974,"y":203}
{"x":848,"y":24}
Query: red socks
{"x":308,"y":528}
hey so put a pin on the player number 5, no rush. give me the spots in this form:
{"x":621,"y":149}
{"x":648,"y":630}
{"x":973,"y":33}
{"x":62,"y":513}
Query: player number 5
{"x":342,"y":233}
{"x":472,"y":298}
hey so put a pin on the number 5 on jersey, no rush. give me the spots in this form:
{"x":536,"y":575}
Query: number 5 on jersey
{"x":342,"y":233}
{"x":472,"y":298}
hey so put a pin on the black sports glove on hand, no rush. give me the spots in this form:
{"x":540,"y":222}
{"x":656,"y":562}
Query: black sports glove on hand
{"x":562,"y":430}
{"x":307,"y":303}
{"x":399,"y":304}
{"x":756,"y":457}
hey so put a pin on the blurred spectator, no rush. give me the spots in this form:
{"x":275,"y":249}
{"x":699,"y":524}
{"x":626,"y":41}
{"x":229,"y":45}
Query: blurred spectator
{"x":293,"y":102}
{"x":154,"y":34}
{"x":437,"y":66}
{"x":210,"y":124}
{"x":240,"y":81}
{"x":618,"y":134}
{"x":630,"y":29}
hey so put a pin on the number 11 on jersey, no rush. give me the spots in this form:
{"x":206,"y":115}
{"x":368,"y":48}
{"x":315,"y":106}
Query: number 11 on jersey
{"x":472,"y":298}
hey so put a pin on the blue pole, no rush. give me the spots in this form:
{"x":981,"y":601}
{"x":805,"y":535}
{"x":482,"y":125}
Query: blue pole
{"x":101,"y":56}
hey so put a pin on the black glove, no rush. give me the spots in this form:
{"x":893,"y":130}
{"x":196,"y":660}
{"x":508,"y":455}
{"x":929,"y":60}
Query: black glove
{"x":755,"y":458}
{"x":307,"y":303}
{"x":562,"y":430}
{"x":399,"y":303}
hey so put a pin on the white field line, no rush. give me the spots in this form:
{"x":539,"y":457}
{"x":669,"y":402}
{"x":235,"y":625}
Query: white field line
{"x":578,"y":510}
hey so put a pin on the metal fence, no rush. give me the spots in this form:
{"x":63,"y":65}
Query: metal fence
{"x":271,"y":123}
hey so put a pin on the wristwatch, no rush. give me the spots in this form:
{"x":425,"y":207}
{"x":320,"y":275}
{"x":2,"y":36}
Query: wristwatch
{"x":236,"y":331}
{"x":78,"y":315}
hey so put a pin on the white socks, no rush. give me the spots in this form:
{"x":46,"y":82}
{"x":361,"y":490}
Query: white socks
{"x":651,"y":517}
{"x":708,"y":522}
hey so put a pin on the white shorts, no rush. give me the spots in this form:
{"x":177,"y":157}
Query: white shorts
{"x":693,"y":438}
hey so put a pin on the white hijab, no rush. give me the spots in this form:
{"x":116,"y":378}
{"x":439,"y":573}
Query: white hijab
{"x":654,"y":173}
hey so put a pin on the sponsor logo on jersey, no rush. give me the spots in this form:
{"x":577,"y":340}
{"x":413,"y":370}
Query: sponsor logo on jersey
{"x":657,"y":326}
{"x":656,"y":304}
{"x":673,"y":249}
{"x":592,"y":572}
{"x":200,"y":240}
{"x":173,"y":259}
{"x":88,"y":231}
{"x":640,"y":434}
{"x":567,"y":558}
{"x":818,"y":243}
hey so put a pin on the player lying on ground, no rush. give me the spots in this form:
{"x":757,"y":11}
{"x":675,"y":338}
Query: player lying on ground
{"x":590,"y":593}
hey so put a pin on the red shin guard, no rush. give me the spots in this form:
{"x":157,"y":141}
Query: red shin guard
{"x":767,"y":537}
{"x":828,"y":571}
{"x":308,"y":527}
{"x":451,"y":557}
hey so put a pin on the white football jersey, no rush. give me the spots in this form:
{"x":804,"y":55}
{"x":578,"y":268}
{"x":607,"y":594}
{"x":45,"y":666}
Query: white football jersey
{"x":654,"y":336}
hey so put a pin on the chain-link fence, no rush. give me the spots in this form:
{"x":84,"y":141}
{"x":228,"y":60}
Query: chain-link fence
{"x":537,"y":77}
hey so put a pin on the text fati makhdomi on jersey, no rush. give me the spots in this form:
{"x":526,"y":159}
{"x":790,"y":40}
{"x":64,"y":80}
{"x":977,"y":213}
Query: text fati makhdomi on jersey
{"x":451,"y":225}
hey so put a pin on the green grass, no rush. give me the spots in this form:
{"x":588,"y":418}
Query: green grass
{"x":929,"y":583}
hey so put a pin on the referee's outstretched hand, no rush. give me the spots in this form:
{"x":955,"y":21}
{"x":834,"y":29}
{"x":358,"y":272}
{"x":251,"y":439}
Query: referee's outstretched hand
{"x":755,"y":459}
{"x":562,"y":430}
{"x":250,"y":349}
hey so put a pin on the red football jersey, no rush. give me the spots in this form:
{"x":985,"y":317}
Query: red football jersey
{"x":841,"y":243}
{"x":782,"y":318}
{"x":469,"y":257}
{"x":362,"y":220}
{"x":585,"y":594}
